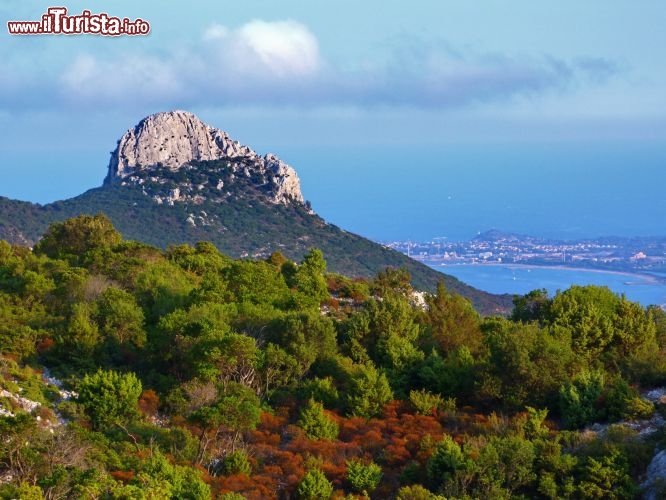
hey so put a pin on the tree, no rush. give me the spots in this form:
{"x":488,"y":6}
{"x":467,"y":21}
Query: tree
{"x":233,"y":413}
{"x":393,"y":281}
{"x":447,"y":459}
{"x":587,"y":312}
{"x":534,"y":306}
{"x":454,"y":375}
{"x":527,"y":364}
{"x":363,"y":478}
{"x":392,"y":332}
{"x":417,"y":492}
{"x":236,"y":462}
{"x":314,"y":486}
{"x":658,"y":315}
{"x":452,"y":322}
{"x":161,"y":288}
{"x":424,"y":402}
{"x":511,"y":461}
{"x":78,"y":238}
{"x":226,"y":357}
{"x":322,"y":390}
{"x":306,"y":336}
{"x":315,"y":423}
{"x":607,"y":478}
{"x":256,"y":282}
{"x":369,"y":392}
{"x":166,"y":480}
{"x":309,"y":280}
{"x":579,"y":398}
{"x":110,"y":398}
{"x":120,"y":317}
{"x":82,"y":333}
{"x":278,"y":369}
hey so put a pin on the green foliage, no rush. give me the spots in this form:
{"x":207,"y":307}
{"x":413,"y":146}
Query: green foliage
{"x":393,"y":331}
{"x":23,"y":491}
{"x":165,"y":480}
{"x":579,"y":399}
{"x":231,"y":496}
{"x":256,"y":282}
{"x":425,"y":402}
{"x":314,"y":486}
{"x":306,"y":336}
{"x":452,"y":376}
{"x":534,"y":427}
{"x":363,"y":478}
{"x":447,"y":459}
{"x":601,"y":323}
{"x":607,"y":478}
{"x":120,"y":317}
{"x":527,"y":364}
{"x":452,"y":323}
{"x":236,"y":462}
{"x":110,"y":397}
{"x":78,"y":239}
{"x":226,"y":357}
{"x":322,"y":390}
{"x":368,"y":393}
{"x":309,"y":281}
{"x":658,"y":316}
{"x":534,"y":306}
{"x":278,"y":369}
{"x":511,"y":459}
{"x":162,"y":288}
{"x":238,"y":410}
{"x":417,"y":492}
{"x":315,"y":423}
{"x":393,"y":281}
{"x":623,"y":402}
{"x":234,"y":353}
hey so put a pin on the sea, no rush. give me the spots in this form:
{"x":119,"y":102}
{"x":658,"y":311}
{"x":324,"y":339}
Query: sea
{"x":521,"y":279}
{"x":560,"y":191}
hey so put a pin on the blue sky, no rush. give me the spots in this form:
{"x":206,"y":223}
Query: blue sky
{"x":295,"y":75}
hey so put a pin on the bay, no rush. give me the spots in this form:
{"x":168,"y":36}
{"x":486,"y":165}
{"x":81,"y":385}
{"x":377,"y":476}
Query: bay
{"x":518,"y":279}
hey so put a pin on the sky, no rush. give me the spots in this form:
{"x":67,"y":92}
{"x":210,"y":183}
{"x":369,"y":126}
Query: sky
{"x":362,"y":98}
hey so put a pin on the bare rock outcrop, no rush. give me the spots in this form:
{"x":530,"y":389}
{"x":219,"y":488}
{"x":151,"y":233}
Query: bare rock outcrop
{"x":174,"y":139}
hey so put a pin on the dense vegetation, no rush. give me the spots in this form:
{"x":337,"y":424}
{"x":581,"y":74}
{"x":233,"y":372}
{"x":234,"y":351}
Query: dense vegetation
{"x":199,"y":376}
{"x":239,"y":221}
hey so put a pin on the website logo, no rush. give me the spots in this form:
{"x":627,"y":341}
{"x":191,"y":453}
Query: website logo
{"x":56,"y":22}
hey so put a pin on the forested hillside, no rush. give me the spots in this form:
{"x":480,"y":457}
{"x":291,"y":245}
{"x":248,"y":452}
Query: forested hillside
{"x":128,"y":371}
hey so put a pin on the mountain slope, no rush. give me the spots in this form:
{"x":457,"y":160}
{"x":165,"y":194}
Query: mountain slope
{"x":173,"y":179}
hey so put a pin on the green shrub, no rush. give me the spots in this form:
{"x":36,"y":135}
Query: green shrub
{"x":236,"y":462}
{"x":425,"y":402}
{"x":363,"y":478}
{"x":579,"y":399}
{"x":316,"y":424}
{"x":314,"y":486}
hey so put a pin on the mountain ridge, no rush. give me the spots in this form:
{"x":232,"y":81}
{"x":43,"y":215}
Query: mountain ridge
{"x":248,"y":205}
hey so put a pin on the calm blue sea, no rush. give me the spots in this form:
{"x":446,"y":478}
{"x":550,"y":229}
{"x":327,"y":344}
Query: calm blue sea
{"x":523,"y":279}
{"x":564,"y":191}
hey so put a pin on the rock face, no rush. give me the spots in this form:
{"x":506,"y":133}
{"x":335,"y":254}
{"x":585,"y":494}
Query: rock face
{"x":654,"y":486}
{"x":174,"y":139}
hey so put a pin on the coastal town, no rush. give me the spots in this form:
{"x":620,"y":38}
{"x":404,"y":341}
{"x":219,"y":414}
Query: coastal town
{"x":644,"y":255}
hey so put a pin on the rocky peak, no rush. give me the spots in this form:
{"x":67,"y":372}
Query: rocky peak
{"x":175,"y":139}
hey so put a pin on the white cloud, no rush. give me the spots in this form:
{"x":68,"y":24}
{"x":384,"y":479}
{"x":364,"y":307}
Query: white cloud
{"x":216,"y":32}
{"x":283,"y":47}
{"x":133,"y":78}
{"x":278,"y":63}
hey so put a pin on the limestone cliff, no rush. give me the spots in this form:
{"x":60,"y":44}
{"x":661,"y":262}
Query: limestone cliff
{"x":177,"y":139}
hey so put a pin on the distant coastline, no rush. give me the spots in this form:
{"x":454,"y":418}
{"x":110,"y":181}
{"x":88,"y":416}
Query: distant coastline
{"x":645,"y":279}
